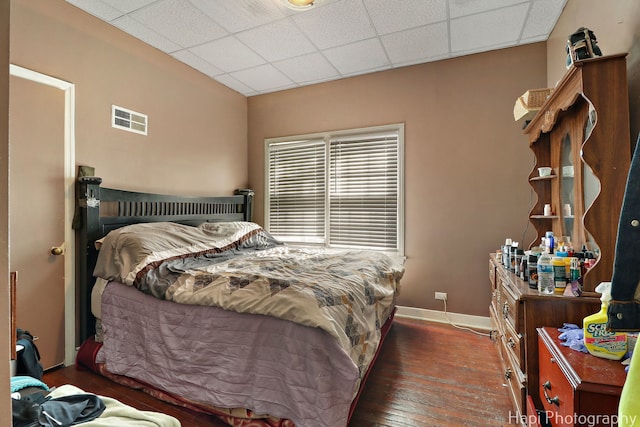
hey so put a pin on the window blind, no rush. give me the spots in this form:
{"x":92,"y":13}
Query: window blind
{"x":337,"y":190}
{"x":363,"y":191}
{"x":296,"y":191}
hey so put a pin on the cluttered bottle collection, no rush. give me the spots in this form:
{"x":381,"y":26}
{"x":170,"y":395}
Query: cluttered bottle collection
{"x":553,"y":267}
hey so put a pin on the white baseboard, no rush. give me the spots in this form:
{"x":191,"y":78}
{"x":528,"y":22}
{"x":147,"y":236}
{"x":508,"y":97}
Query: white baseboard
{"x":466,"y":320}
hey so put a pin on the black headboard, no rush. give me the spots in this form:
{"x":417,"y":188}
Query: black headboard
{"x":100,"y":210}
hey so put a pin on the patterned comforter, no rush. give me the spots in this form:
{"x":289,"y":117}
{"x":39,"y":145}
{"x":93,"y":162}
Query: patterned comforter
{"x":238,"y":266}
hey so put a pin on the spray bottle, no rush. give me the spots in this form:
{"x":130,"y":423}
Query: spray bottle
{"x":598,"y":340}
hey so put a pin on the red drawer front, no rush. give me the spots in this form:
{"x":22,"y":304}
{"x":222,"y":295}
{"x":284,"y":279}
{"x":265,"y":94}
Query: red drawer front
{"x":556,"y":394}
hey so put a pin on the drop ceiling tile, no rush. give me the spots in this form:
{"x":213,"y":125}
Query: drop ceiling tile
{"x":263,"y":78}
{"x":458,"y":8}
{"x":423,"y":43}
{"x":535,"y":39}
{"x":228,"y":54}
{"x":336,"y":24}
{"x":240,"y":15}
{"x":218,"y":37}
{"x":234,"y":84}
{"x":127,"y":6}
{"x":128,"y":25}
{"x":396,"y":15}
{"x":179,"y":21}
{"x":542,"y":18}
{"x":97,"y":8}
{"x":278,"y":40}
{"x":358,"y":57}
{"x":493,"y":29}
{"x":308,"y":68}
{"x":196,"y":62}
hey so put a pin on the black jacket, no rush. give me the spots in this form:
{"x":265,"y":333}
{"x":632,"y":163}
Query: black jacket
{"x":624,"y":308}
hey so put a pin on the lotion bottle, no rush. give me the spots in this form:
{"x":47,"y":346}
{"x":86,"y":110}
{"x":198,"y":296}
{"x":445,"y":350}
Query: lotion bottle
{"x":598,"y":340}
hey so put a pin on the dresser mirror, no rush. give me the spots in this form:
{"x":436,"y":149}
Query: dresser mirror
{"x":590,"y":183}
{"x":567,"y":190}
{"x":575,"y":198}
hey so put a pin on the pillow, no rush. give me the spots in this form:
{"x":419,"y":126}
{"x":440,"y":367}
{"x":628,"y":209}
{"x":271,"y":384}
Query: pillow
{"x":127,"y":250}
{"x":98,"y":243}
{"x":244,"y":235}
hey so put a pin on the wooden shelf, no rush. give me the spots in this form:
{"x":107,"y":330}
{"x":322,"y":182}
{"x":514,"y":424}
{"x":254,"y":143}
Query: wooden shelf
{"x":599,"y":154}
{"x":542,"y":178}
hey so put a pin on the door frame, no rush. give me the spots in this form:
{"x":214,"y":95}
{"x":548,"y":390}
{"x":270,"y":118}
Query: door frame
{"x":69,"y":197}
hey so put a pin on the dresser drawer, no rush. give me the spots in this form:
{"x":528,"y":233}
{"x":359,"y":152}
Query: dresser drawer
{"x":555,"y":391}
{"x":508,"y":308}
{"x":580,"y":388}
{"x":513,"y":377}
{"x":492,"y":274}
{"x":496,"y":326}
{"x":513,"y":344}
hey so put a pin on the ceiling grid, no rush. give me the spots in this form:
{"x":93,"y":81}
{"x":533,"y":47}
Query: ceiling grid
{"x":261,"y":46}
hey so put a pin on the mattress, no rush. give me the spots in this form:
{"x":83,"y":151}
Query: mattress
{"x":269,"y":365}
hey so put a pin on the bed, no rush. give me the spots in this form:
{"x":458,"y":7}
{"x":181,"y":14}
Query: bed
{"x":198,"y":306}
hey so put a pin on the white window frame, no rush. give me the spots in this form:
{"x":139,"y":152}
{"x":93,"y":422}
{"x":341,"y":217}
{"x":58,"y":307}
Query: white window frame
{"x":327,"y":137}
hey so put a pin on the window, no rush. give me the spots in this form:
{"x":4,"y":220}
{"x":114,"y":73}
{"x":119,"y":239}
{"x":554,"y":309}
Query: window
{"x":339,"y":189}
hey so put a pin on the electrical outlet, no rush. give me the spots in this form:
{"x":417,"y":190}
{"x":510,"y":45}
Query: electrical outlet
{"x":441,"y":296}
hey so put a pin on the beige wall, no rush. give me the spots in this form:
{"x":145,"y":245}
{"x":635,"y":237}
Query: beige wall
{"x":197,"y":142}
{"x":197,"y":127}
{"x":5,"y":324}
{"x":466,"y":159}
{"x":616,"y":24}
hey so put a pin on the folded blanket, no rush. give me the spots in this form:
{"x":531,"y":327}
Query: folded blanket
{"x":117,"y":414}
{"x":20,"y":382}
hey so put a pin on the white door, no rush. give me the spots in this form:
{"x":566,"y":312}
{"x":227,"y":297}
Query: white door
{"x":37,"y":212}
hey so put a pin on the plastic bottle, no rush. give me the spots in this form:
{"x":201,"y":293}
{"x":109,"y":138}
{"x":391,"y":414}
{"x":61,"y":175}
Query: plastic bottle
{"x":533,"y":270}
{"x":549,"y":242}
{"x":575,"y":276}
{"x":567,"y":268}
{"x":517,"y":265}
{"x":524,"y":269}
{"x":598,"y":340}
{"x":574,"y":269}
{"x":546,"y":282}
{"x":505,"y":252}
{"x":559,"y":274}
{"x":512,"y":256}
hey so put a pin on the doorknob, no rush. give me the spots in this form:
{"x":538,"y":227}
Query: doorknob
{"x":57,"y":250}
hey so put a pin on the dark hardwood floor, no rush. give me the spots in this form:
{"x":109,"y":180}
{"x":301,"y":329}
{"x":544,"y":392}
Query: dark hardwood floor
{"x":427,"y":374}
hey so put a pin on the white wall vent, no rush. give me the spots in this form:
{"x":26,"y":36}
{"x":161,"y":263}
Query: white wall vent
{"x":125,"y":119}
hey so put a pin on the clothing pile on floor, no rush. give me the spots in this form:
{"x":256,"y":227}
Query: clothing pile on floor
{"x":34,"y":404}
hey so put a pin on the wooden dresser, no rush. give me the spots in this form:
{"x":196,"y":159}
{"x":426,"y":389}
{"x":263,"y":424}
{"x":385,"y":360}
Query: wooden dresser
{"x":516,"y":311}
{"x":577,"y":389}
{"x":582,"y":133}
